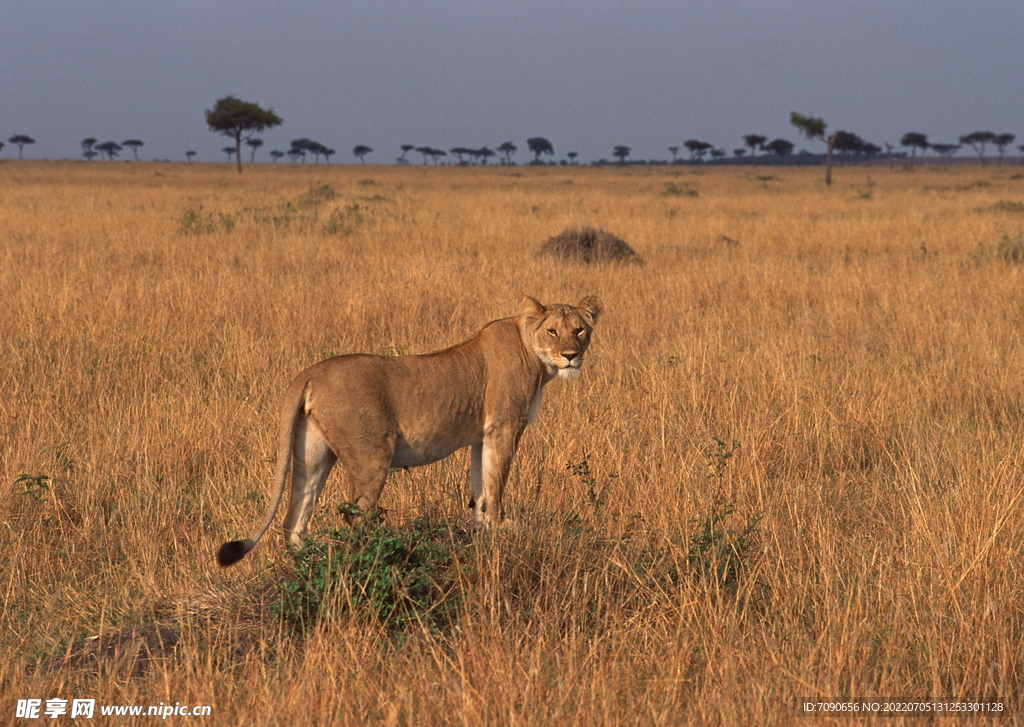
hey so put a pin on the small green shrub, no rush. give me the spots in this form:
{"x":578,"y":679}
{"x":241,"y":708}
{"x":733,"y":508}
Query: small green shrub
{"x":344,"y":221}
{"x":400,"y":578}
{"x":717,"y":553}
{"x":36,"y":486}
{"x":595,"y":495}
{"x":198,"y":222}
{"x":671,"y":190}
{"x":316,"y":195}
{"x":1004,"y":205}
{"x":718,"y":459}
{"x":60,"y":454}
{"x":39,"y":489}
{"x":194,"y":222}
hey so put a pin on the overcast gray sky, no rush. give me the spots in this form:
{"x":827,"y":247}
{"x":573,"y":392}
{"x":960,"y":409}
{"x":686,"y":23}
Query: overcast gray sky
{"x":586,"y":75}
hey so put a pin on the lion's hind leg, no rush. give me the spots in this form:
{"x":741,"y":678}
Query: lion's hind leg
{"x":312,"y":461}
{"x":476,"y":477}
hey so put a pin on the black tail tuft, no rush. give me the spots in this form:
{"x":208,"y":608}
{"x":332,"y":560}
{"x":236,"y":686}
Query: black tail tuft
{"x":231,"y":553}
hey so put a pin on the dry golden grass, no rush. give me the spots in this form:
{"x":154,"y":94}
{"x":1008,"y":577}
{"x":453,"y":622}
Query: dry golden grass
{"x":862,"y":344}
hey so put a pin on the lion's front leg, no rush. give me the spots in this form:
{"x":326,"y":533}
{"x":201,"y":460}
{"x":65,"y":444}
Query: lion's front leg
{"x":495,"y":460}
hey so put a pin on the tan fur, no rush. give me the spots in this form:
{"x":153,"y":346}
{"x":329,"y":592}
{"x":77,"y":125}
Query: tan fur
{"x":375,"y":412}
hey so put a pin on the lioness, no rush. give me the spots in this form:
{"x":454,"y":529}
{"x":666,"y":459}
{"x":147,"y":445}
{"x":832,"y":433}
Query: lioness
{"x":376,"y":412}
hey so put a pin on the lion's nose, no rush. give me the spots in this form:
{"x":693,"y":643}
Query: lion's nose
{"x":569,"y":355}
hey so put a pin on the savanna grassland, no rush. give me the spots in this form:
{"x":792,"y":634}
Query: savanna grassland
{"x":791,"y":471}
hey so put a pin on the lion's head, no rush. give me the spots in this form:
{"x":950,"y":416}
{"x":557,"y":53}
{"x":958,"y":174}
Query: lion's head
{"x":559,"y":334}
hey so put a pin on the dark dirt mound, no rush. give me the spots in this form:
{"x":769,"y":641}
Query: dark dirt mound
{"x":588,"y":245}
{"x":126,"y":653}
{"x":229,"y":625}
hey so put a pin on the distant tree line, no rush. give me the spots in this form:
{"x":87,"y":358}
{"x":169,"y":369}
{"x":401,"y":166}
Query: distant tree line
{"x":91,"y":148}
{"x":242,"y":120}
{"x":977,"y":140}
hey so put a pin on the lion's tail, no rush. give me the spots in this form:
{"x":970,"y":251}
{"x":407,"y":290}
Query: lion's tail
{"x":233,"y":551}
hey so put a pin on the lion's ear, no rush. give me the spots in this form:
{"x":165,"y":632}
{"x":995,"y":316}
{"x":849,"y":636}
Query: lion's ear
{"x":589,"y":308}
{"x":533,"y":307}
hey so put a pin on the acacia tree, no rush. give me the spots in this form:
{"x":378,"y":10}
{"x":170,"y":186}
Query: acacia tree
{"x":945,"y":150}
{"x":507,"y":149}
{"x":406,"y":148}
{"x":305,"y":145}
{"x":316,"y":148}
{"x":915,"y":141}
{"x":110,"y":148}
{"x":978,"y":140}
{"x":1002,"y":141}
{"x":189,"y":154}
{"x":621,"y":152}
{"x":300,"y":147}
{"x":229,"y":150}
{"x":276,"y":154}
{"x":21,"y":140}
{"x":572,"y":157}
{"x":779,"y":147}
{"x":255,"y":144}
{"x":361,"y":151}
{"x":431,"y":152}
{"x":87,"y":145}
{"x":814,"y":128}
{"x":482,"y":155}
{"x":134,"y":145}
{"x":755,"y":142}
{"x":539,"y":145}
{"x":697,"y":149}
{"x":425,"y":151}
{"x":871,"y":149}
{"x":675,"y":153}
{"x":240,"y":120}
{"x":459,"y":151}
{"x":846,"y":142}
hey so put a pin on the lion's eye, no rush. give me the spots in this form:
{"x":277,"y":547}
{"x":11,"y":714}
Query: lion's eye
{"x":578,"y":332}
{"x":553,"y":332}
